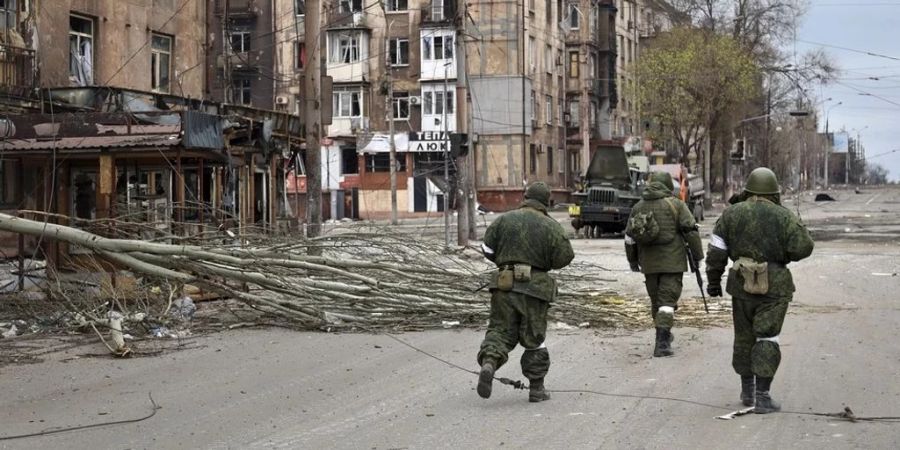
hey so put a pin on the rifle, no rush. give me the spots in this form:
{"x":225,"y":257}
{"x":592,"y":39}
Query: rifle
{"x":696,"y":269}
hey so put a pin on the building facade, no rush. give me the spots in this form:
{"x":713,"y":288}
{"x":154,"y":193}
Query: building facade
{"x":117,"y":123}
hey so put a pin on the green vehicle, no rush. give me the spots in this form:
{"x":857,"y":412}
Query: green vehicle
{"x":611,"y":188}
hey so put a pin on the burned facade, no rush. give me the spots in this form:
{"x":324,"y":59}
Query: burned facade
{"x":105,"y":135}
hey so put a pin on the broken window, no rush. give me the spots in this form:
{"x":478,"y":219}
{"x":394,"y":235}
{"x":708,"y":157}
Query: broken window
{"x":299,"y":7}
{"x":573,"y":19}
{"x":437,"y":47}
{"x":381,"y":162}
{"x":435,"y":102}
{"x":84,"y":195}
{"x":401,"y":106}
{"x":81,"y":50}
{"x":347,"y":103}
{"x":241,"y":91}
{"x":345,"y":47}
{"x":241,"y":36}
{"x":532,"y":153}
{"x":349,"y":6}
{"x":399,"y":52}
{"x":349,"y":161}
{"x":160,"y":62}
{"x":397,"y":5}
{"x":549,"y":160}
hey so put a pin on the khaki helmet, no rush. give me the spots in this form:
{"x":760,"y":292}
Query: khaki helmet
{"x":538,"y":191}
{"x":762,"y":181}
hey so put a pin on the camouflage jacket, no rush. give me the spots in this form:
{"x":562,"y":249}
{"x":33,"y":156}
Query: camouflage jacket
{"x":762,"y":230}
{"x":528,"y":235}
{"x":667,"y":253}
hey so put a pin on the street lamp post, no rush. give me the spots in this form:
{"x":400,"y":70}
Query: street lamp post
{"x":828,"y":141}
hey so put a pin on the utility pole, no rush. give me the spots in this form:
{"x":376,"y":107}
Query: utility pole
{"x":446,"y":161}
{"x":313,"y":90}
{"x":389,"y":111}
{"x":462,"y":163}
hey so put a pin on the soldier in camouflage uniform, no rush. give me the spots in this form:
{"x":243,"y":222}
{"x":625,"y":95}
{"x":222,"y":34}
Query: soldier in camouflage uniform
{"x":761,"y":237}
{"x":525,"y":244}
{"x":664,"y":260}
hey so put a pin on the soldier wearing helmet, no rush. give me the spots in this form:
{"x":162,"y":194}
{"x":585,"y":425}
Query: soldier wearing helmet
{"x":761,"y":237}
{"x":525,"y":244}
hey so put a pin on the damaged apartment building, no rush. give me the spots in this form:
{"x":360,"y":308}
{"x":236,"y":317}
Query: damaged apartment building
{"x":110,"y":121}
{"x":528,"y":85}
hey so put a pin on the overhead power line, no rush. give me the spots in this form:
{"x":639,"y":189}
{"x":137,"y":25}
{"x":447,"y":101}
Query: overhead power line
{"x":838,"y":47}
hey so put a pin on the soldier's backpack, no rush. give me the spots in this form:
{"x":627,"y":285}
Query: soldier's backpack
{"x":643,"y":227}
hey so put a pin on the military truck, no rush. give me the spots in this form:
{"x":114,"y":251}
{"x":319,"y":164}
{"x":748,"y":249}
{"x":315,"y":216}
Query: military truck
{"x":609,"y":190}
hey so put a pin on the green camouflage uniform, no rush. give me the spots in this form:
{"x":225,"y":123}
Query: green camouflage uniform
{"x":759,"y":228}
{"x":664,"y":262}
{"x":526,"y":235}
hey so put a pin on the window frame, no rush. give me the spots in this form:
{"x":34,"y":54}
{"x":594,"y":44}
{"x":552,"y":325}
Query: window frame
{"x":348,"y":42}
{"x":340,"y":96}
{"x":534,"y":112}
{"x":548,"y":107}
{"x":155,"y":57}
{"x":297,"y":5}
{"x":350,"y":6}
{"x":390,"y":6}
{"x":395,"y":48}
{"x":574,"y":64}
{"x":300,"y":55}
{"x":573,"y":17}
{"x":396,"y":104}
{"x":81,"y":36}
{"x":431,"y":102}
{"x":429,"y":46}
{"x":242,"y":91}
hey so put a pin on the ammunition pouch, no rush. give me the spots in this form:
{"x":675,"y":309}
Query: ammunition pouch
{"x":755,"y":275}
{"x":511,"y":274}
{"x":505,"y":280}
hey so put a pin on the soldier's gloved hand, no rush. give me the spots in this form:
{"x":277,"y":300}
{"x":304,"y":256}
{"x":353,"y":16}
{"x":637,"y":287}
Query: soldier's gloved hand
{"x":714,"y":290}
{"x":635,"y":267}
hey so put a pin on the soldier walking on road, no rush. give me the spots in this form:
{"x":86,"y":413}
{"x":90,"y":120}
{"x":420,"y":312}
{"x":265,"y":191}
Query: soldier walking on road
{"x":761,"y":237}
{"x":525,"y":244}
{"x":655,"y":237}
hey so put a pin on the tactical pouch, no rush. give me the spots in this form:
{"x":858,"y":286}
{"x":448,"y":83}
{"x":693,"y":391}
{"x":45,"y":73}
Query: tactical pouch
{"x":505,"y":280}
{"x":522,"y":272}
{"x":755,"y":275}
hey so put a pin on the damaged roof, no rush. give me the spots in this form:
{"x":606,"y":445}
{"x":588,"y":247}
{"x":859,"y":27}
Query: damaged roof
{"x":92,"y":142}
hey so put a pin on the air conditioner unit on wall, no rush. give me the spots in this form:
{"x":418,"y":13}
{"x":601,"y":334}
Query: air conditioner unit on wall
{"x":415,"y":100}
{"x":281,"y":100}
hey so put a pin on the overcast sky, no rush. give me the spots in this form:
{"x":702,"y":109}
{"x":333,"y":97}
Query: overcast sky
{"x":868,"y":26}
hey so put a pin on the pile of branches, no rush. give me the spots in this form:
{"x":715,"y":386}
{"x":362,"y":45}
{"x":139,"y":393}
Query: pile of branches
{"x":354,"y":277}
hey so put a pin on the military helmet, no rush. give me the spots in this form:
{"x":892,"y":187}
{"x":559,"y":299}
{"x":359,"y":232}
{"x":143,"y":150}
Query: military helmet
{"x":762,"y":181}
{"x":538,"y":191}
{"x":664,"y":178}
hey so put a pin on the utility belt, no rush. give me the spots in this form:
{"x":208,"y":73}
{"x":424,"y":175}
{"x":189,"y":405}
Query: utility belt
{"x":512,"y":273}
{"x":756,"y":274}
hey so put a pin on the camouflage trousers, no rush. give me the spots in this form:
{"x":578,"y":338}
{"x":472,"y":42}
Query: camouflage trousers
{"x":757,"y":324}
{"x":517,"y":319}
{"x":664,"y":289}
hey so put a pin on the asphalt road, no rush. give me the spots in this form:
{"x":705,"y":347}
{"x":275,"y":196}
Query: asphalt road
{"x":282,"y":389}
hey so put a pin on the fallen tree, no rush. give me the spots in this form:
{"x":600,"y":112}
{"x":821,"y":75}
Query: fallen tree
{"x":362,"y":278}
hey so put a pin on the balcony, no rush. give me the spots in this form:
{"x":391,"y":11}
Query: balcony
{"x":16,"y":68}
{"x":438,"y":12}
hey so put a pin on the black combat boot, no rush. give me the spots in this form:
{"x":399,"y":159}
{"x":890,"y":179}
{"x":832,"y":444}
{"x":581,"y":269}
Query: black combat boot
{"x":764,"y":402}
{"x":663,"y":347}
{"x":536,"y":391}
{"x":486,"y":378}
{"x":748,"y":386}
